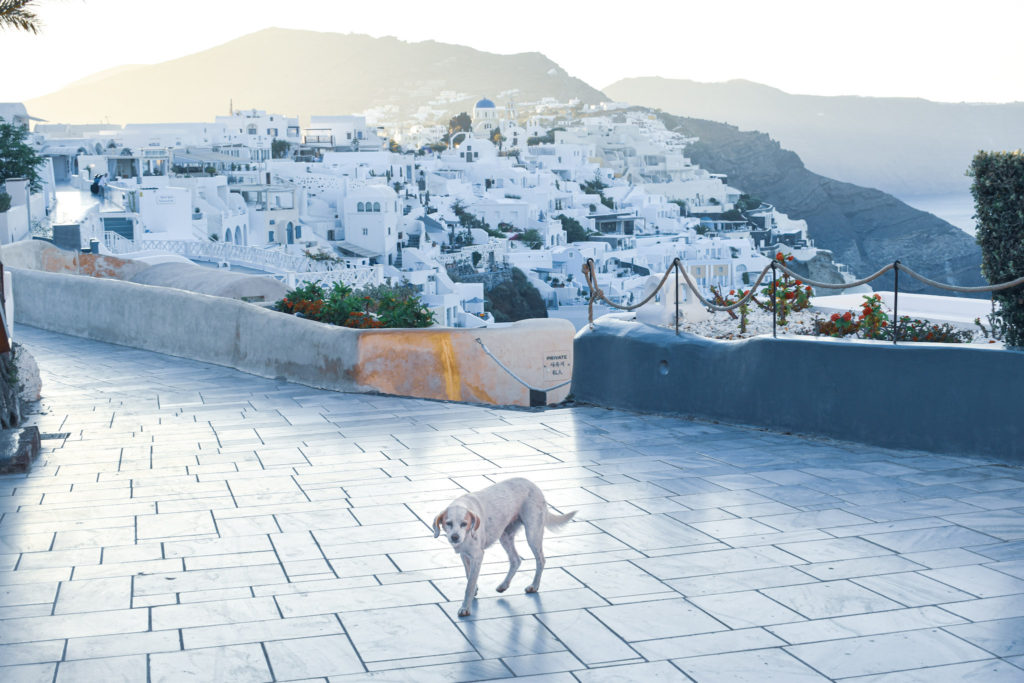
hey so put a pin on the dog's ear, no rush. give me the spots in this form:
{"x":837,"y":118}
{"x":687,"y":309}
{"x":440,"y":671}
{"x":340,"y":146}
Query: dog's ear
{"x":474,"y":521}
{"x":437,"y":523}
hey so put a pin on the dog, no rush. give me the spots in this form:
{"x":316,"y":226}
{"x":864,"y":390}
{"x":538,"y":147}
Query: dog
{"x":473,"y":522}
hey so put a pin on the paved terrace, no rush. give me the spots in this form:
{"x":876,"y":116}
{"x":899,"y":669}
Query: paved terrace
{"x":199,"y":524}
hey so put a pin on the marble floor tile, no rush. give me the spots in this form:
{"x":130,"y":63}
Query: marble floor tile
{"x":242,"y":663}
{"x":587,"y":638}
{"x":1003,"y":637}
{"x":830,"y":599}
{"x":403,"y":632}
{"x":985,"y":671}
{"x":313,"y":657}
{"x":977,"y":580}
{"x":127,"y":669}
{"x":756,"y":665}
{"x":745,"y":609}
{"x":884,"y":653}
{"x":658,"y":619}
{"x":650,"y":671}
{"x":509,"y":636}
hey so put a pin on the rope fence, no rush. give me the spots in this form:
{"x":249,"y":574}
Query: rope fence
{"x":596,"y":293}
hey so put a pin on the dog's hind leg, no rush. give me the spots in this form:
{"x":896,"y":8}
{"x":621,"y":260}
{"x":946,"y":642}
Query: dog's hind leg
{"x":508,"y":542}
{"x":535,"y":538}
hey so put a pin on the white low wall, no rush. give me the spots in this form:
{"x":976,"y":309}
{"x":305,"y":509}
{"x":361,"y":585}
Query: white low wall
{"x":440,"y":363}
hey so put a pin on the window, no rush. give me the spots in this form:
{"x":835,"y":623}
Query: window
{"x":365,"y":231}
{"x":376,"y":207}
{"x":359,"y":206}
{"x":270,"y":236}
{"x":298,"y":231}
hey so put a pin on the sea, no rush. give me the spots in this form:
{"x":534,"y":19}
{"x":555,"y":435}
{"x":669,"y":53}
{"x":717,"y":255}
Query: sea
{"x":957,"y":209}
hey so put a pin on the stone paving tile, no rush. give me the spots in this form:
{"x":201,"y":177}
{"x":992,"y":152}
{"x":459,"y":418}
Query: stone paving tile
{"x":202,"y":524}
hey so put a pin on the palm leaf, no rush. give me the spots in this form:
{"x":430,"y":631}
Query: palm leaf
{"x":19,"y":15}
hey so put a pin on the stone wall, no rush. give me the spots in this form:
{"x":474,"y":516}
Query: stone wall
{"x":438,"y":363}
{"x":946,"y":398}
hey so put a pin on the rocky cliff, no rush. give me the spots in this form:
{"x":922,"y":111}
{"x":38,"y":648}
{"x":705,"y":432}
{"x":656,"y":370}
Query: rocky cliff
{"x":864,"y":228}
{"x":903,"y":145}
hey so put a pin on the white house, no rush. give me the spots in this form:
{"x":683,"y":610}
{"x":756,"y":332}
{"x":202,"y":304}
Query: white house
{"x":370,"y":217}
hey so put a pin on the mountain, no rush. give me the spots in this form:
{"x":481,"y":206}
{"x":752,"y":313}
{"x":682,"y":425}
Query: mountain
{"x":864,"y":228}
{"x":309,"y":73}
{"x":908,"y":147}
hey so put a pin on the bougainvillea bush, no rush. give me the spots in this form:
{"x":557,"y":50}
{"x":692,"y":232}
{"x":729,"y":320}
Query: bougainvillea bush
{"x":874,"y":323}
{"x":790,"y":294}
{"x":368,"y":308}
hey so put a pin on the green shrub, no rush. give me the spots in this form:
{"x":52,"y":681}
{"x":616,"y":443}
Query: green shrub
{"x":998,"y":191}
{"x":380,"y":306}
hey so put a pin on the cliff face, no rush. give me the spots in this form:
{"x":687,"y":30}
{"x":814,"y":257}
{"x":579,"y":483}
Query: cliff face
{"x":906,"y":146}
{"x":864,"y":228}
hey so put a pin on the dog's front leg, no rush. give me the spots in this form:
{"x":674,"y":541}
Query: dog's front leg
{"x":474,"y":561}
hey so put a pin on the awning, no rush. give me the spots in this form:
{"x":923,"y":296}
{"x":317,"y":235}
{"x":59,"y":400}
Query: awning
{"x":355,"y":250}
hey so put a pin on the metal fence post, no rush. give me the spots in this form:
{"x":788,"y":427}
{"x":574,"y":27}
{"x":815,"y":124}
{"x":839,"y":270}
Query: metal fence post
{"x":896,"y":302}
{"x":775,"y":303}
{"x":675,"y":265}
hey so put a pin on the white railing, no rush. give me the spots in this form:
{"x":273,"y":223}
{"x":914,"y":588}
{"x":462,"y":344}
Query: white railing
{"x":290,"y":267}
{"x":116,"y":244}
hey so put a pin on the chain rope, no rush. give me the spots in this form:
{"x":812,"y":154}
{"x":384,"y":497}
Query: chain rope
{"x":596,"y":293}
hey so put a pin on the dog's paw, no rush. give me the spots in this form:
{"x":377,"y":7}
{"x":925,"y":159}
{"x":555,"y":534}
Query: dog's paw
{"x":502,"y":588}
{"x":464,"y":612}
{"x":531,"y":589}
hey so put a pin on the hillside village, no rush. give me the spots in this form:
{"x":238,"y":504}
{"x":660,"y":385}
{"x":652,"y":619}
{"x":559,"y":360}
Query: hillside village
{"x":445,"y":205}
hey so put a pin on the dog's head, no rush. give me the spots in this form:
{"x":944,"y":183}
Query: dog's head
{"x":457,"y":523}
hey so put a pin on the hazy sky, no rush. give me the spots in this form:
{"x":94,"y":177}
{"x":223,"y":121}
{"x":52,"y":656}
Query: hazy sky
{"x":948,"y":50}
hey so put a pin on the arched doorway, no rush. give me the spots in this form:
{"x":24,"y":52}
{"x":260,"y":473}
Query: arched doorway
{"x":238,"y":235}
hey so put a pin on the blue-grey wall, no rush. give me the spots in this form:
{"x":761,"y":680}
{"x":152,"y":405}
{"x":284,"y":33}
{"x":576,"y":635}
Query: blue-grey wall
{"x":946,"y":398}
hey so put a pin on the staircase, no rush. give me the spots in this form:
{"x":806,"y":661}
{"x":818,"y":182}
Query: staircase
{"x":120,"y":225}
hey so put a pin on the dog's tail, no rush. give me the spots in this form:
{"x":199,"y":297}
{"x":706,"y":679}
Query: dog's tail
{"x":553,"y":520}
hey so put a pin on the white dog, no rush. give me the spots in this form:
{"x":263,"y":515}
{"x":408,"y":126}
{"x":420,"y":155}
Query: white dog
{"x":473,"y":522}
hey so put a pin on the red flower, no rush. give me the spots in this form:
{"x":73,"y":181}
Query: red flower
{"x":780,"y":257}
{"x":798,"y":283}
{"x":790,"y":295}
{"x":790,"y":258}
{"x":731,"y":292}
{"x":835,"y":317}
{"x":808,"y":289}
{"x":847,"y":316}
{"x":885,"y":324}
